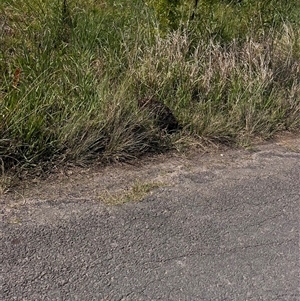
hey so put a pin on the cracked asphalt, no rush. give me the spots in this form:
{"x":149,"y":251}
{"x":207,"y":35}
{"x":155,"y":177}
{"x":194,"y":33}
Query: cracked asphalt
{"x":225,"y":228}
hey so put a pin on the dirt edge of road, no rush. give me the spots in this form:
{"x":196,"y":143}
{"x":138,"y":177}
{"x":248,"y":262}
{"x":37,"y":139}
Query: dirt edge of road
{"x":119,"y":183}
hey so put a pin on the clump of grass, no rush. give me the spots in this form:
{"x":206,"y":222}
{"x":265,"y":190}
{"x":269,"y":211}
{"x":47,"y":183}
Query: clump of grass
{"x":5,"y":180}
{"x":72,"y":74}
{"x":226,"y":92}
{"x":136,"y":193}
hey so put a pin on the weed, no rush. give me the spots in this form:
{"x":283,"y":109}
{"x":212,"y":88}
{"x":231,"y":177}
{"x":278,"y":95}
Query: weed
{"x":136,"y":193}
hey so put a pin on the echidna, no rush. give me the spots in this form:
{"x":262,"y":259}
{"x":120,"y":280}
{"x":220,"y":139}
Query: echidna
{"x":163,"y":116}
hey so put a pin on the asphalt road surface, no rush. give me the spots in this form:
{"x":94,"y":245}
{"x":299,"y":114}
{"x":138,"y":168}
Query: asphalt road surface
{"x":226,"y":228}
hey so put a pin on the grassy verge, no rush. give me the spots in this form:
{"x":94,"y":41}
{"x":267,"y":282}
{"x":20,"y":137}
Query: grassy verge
{"x":72,"y":72}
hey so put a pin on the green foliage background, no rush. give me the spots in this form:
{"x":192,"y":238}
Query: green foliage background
{"x":230,"y":74}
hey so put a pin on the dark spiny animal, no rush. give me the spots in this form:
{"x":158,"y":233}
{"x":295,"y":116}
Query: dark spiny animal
{"x":163,"y":116}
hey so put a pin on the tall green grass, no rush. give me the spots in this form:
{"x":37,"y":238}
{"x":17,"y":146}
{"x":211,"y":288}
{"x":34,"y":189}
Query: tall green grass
{"x":230,"y":74}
